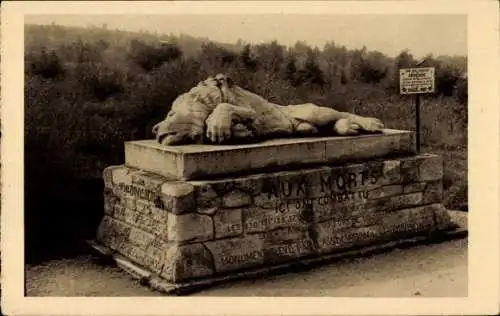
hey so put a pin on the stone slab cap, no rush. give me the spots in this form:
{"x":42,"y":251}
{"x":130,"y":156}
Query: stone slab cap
{"x":201,"y":161}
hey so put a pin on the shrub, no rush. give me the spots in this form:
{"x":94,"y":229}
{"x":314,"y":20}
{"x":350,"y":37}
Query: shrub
{"x":47,"y":65}
{"x":248,"y":62}
{"x":216,"y":59}
{"x":99,"y":80}
{"x":311,"y":74}
{"x":370,"y":73}
{"x":270,"y":56}
{"x":462,"y":93}
{"x":289,"y":70}
{"x":446,"y":80}
{"x":152,"y":56}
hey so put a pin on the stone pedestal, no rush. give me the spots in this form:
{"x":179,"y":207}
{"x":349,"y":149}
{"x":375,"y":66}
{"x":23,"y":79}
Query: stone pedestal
{"x":184,"y":215}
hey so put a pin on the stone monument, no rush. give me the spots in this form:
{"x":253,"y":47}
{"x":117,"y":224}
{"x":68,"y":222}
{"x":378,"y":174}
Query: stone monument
{"x":234,"y":185}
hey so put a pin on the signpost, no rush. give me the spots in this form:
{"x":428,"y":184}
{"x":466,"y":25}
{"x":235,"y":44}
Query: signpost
{"x":417,"y":81}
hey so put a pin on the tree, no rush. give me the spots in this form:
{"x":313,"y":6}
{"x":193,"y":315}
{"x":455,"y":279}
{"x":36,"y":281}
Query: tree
{"x":289,"y":72}
{"x":150,"y":56}
{"x":373,"y":67}
{"x":311,"y":74}
{"x":217,"y":56}
{"x":448,"y":73}
{"x":331,"y":57}
{"x":403,"y":60}
{"x":245,"y":58}
{"x":462,"y":90}
{"x":270,"y":56}
{"x":447,"y":77}
{"x":47,"y":65}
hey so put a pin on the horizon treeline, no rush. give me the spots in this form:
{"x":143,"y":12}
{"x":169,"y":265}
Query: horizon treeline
{"x":324,"y":68}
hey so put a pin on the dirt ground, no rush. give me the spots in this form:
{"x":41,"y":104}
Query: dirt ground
{"x":438,"y":270}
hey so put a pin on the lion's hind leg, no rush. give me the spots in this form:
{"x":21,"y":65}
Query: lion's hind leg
{"x":341,"y":123}
{"x":317,"y":116}
{"x":310,"y":118}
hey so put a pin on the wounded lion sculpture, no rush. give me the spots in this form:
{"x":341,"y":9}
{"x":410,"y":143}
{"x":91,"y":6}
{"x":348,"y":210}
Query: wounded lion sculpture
{"x":218,"y":111}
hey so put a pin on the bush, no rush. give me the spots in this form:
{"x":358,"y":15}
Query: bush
{"x":47,"y":65}
{"x":462,"y":93}
{"x":446,"y":79}
{"x":246,"y":59}
{"x":100,"y":81}
{"x":215,"y":59}
{"x":153,"y":56}
{"x":371,"y":74}
{"x":311,"y":74}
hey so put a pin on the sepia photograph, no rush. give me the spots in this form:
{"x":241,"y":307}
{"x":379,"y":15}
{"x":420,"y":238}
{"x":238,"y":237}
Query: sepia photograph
{"x":237,"y":153}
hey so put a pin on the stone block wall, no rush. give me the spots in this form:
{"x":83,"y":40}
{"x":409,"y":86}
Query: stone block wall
{"x":183,"y":230}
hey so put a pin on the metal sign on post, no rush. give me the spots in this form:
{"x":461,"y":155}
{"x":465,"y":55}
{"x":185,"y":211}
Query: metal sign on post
{"x":417,"y":81}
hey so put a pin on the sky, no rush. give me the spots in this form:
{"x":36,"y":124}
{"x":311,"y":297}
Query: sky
{"x":390,"y":34}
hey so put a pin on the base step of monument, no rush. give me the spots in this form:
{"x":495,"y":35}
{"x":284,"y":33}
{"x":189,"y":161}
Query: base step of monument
{"x":147,"y":278}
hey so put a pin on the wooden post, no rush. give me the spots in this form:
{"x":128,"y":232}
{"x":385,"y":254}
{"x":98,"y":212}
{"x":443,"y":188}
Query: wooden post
{"x":417,"y":118}
{"x":417,"y":81}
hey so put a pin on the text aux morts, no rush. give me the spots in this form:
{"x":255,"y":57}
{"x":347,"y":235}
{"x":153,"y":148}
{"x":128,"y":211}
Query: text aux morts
{"x":296,"y":192}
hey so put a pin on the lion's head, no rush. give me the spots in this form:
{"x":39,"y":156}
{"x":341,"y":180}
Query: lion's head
{"x":185,"y":122}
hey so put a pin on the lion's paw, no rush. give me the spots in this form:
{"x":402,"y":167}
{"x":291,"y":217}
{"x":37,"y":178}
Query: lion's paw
{"x":370,"y":124}
{"x":218,"y":127}
{"x":241,"y":131}
{"x":346,"y":127}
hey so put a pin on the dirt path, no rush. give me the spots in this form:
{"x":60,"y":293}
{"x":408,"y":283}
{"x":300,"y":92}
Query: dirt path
{"x":432,"y":270}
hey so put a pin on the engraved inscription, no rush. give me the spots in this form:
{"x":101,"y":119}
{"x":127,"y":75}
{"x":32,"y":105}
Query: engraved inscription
{"x":270,"y":221}
{"x":349,"y":181}
{"x":332,"y":187}
{"x":295,"y":248}
{"x":281,"y":250}
{"x":279,"y":189}
{"x":142,"y":193}
{"x":141,"y":257}
{"x":346,"y":238}
{"x":324,"y":194}
{"x":242,"y":258}
{"x":231,"y":228}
